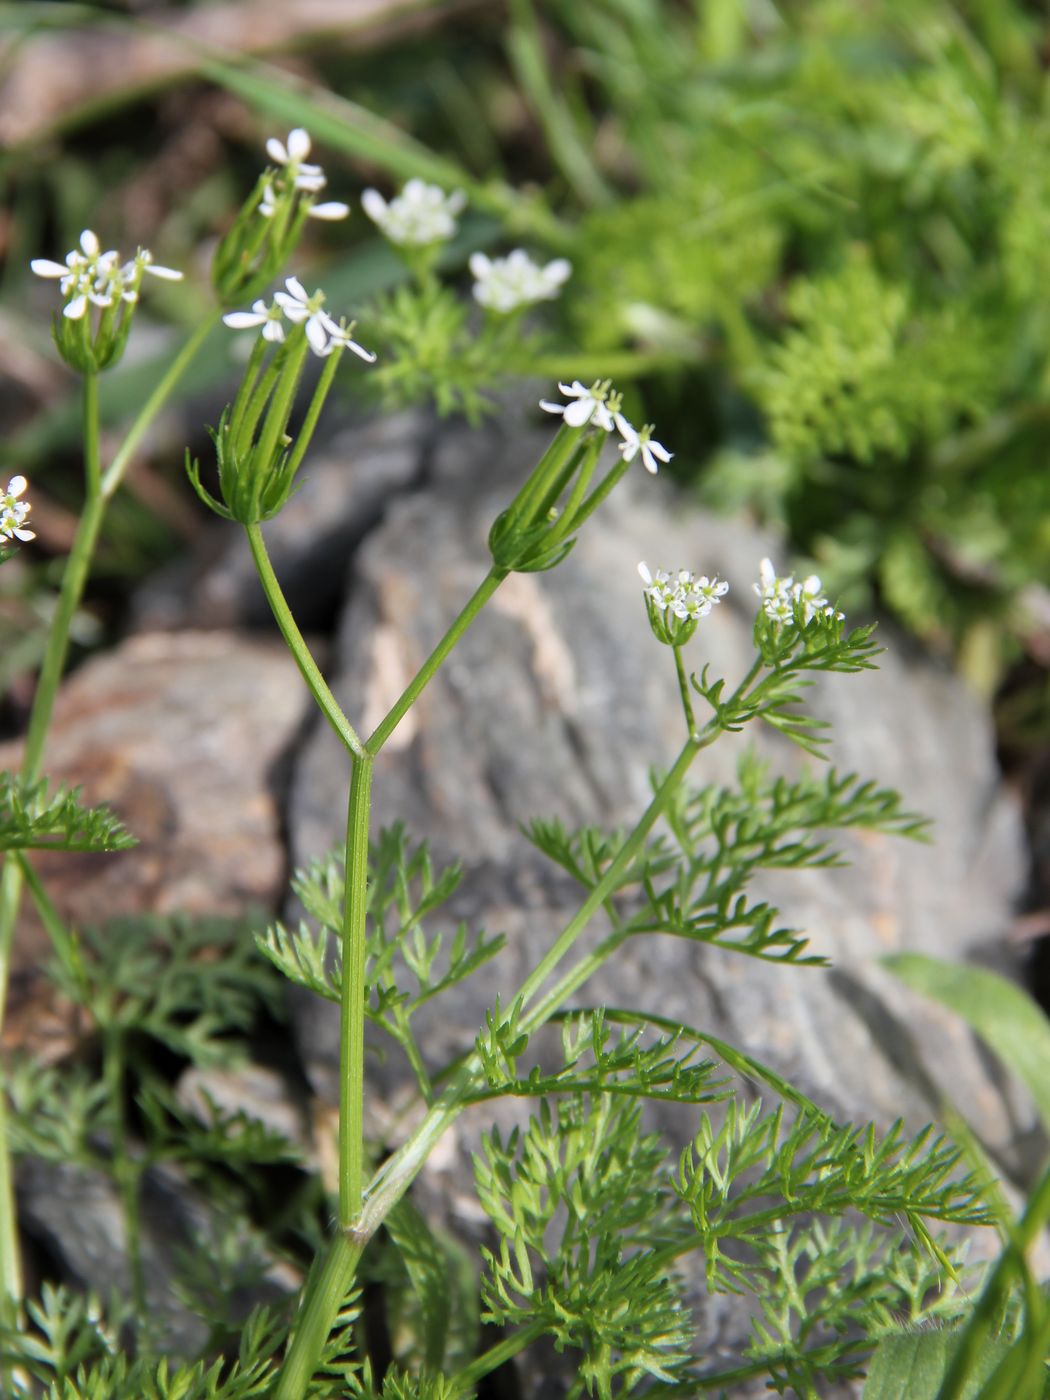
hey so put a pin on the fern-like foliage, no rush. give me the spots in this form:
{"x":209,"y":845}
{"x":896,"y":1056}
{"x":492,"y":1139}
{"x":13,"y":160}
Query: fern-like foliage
{"x":636,"y":1063}
{"x":187,"y":983}
{"x":744,"y":1177}
{"x":407,"y":965}
{"x":34,"y":816}
{"x":588,"y":1229}
{"x":694,"y":883}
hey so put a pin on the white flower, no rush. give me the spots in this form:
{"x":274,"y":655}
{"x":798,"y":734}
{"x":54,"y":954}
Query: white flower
{"x":697,"y":597}
{"x":777,"y":594}
{"x":332,"y":210}
{"x":292,"y":157}
{"x":269,"y":317}
{"x":420,"y":214}
{"x":635,"y":442}
{"x":298,"y":305}
{"x":658,"y":587}
{"x":340,"y":339}
{"x":91,"y":276}
{"x":144,"y":260}
{"x":13,"y":512}
{"x":588,"y":405}
{"x":813,"y":601}
{"x":505,"y":284}
{"x":780,"y":595}
{"x":682,"y":594}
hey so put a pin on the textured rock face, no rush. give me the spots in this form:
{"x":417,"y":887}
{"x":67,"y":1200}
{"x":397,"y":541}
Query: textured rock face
{"x":180,"y":735}
{"x":558,"y":702}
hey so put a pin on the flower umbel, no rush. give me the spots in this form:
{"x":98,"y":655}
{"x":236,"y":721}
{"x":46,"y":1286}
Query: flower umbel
{"x":419,"y":215}
{"x":90,"y":278}
{"x":676,"y":602}
{"x":507,"y":284}
{"x":13,"y":512}
{"x":783,"y":599}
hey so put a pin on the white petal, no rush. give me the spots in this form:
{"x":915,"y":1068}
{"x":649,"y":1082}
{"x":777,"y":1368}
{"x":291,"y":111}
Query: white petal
{"x":332,"y":210}
{"x":316,"y":335}
{"x":23,"y":534}
{"x":298,"y":143}
{"x":294,"y":310}
{"x":629,"y":450}
{"x":259,"y":307}
{"x":243,"y":320}
{"x":552,"y":407}
{"x":76,"y":308}
{"x":602,"y":417}
{"x":367,"y":355}
{"x":480,"y":266}
{"x":626,"y":429}
{"x":575,"y":390}
{"x":646,"y":576}
{"x":558,"y":271}
{"x":44,"y":267}
{"x":297,"y":289}
{"x":275,"y":150}
{"x":658,"y":450}
{"x":332,"y":327}
{"x":374,"y":205}
{"x":648,"y":460}
{"x":166,"y":274}
{"x":456,"y":201}
{"x":273,"y":331}
{"x":16,"y":485}
{"x":580,"y":412}
{"x":89,"y":243}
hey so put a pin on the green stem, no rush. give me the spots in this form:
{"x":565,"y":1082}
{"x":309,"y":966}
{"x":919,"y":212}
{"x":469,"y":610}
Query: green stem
{"x":352,"y":997}
{"x":396,"y":1175}
{"x":326,"y":1292}
{"x":313,"y":413}
{"x":156,"y":401}
{"x":125,"y":1169}
{"x":683,"y":687}
{"x":466,"y":1380}
{"x":308,"y":667}
{"x":416,"y":686}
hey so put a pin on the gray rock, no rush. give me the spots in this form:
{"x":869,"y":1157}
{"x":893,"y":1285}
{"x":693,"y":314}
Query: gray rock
{"x":559,"y":702}
{"x":343,"y":490}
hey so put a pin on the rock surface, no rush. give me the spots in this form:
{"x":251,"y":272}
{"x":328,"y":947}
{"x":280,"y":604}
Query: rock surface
{"x":182,"y":735}
{"x":558,"y":702}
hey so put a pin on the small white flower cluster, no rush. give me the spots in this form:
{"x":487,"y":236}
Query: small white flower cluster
{"x":90,"y":276}
{"x":780,"y":595}
{"x":419,"y":215}
{"x":682,"y":594}
{"x":323,"y":333}
{"x":600,"y":405}
{"x":13,"y":512}
{"x":505,"y":284}
{"x":296,"y":174}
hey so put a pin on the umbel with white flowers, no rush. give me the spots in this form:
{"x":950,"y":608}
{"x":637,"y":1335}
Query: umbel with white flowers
{"x":830,"y":1228}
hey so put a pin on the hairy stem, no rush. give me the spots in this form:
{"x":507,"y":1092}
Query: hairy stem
{"x":308,"y":668}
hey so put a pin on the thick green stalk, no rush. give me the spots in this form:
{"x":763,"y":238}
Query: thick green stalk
{"x":396,"y":1175}
{"x":416,"y":686}
{"x":352,"y":997}
{"x":308,"y":667}
{"x":326,"y":1292}
{"x":156,"y":401}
